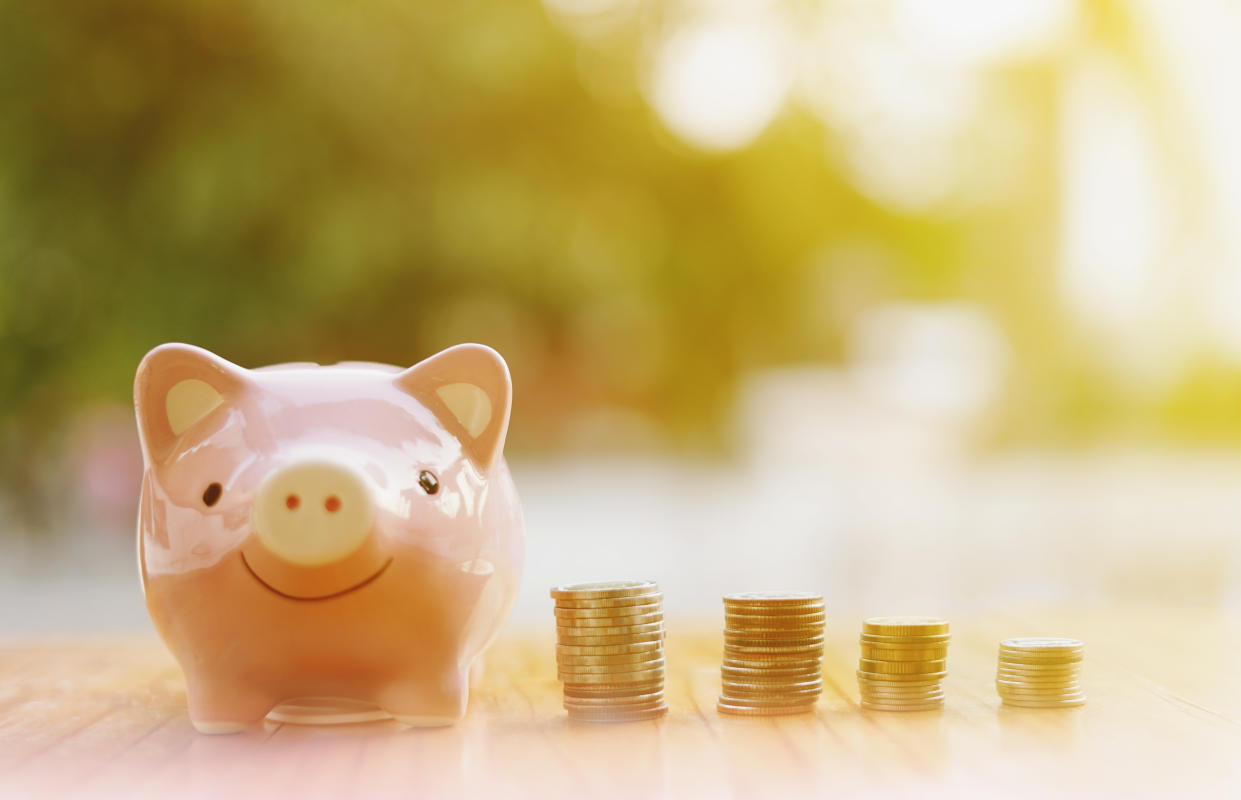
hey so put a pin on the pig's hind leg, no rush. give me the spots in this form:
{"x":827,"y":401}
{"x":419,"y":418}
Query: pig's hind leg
{"x":428,"y":703}
{"x":225,"y":708}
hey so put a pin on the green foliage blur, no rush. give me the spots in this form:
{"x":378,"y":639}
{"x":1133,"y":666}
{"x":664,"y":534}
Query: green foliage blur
{"x":328,"y":180}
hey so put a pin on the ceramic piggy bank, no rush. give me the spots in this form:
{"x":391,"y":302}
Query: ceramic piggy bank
{"x":326,"y":534}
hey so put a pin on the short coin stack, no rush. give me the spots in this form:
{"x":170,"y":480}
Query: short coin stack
{"x":1040,"y":672}
{"x":773,"y":653}
{"x":904,"y":661}
{"x":610,"y":650}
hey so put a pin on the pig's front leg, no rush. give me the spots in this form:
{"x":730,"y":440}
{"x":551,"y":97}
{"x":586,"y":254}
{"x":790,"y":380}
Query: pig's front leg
{"x":224,"y":706}
{"x":427,"y":702}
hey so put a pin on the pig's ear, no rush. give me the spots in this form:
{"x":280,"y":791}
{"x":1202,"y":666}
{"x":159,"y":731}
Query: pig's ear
{"x":176,"y":386}
{"x":468,"y":387}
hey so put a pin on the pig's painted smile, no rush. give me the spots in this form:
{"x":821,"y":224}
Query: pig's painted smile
{"x":364,"y":582}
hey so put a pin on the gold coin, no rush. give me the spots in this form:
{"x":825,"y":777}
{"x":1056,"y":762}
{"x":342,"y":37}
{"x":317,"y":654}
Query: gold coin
{"x":904,"y":653}
{"x":610,"y":649}
{"x":760,"y":687}
{"x":934,"y":705}
{"x":774,"y":624}
{"x":609,"y":621}
{"x":905,"y":697}
{"x":603,"y":589}
{"x":773,"y":668}
{"x":612,"y":602}
{"x":911,"y":658}
{"x":1037,"y":691}
{"x":1033,"y":666}
{"x":903,"y":645}
{"x":630,"y":676}
{"x":622,"y":658}
{"x":746,"y":711}
{"x":610,"y":692}
{"x":772,"y":598}
{"x":773,"y":631}
{"x":566,"y":632}
{"x":800,"y":664}
{"x":747,"y":649}
{"x":609,"y":713}
{"x":607,"y":669}
{"x":763,"y":676}
{"x":605,"y":641}
{"x":1038,"y":661}
{"x":776,"y":614}
{"x":929,"y":640}
{"x":1044,"y":688}
{"x":905,"y":626}
{"x":885,"y":676}
{"x":609,"y":675}
{"x":566,"y":616}
{"x":797,"y":684}
{"x":901,"y":687}
{"x":773,"y":683}
{"x":906,"y":687}
{"x":630,"y":699}
{"x":743,"y":698}
{"x":768,"y":611}
{"x":614,"y":704}
{"x":1022,"y":703}
{"x":758,"y":699}
{"x":1043,"y":671}
{"x":886,"y":697}
{"x":619,"y":715}
{"x":1023,"y":680}
{"x":1049,"y":655}
{"x":765,"y":702}
{"x":801,"y":646}
{"x":902,"y":667}
{"x":1043,"y":644}
{"x":772,"y":639}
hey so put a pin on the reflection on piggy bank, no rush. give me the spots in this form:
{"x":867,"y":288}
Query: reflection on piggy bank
{"x":321,"y":534}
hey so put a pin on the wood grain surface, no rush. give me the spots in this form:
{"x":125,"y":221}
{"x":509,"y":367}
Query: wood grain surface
{"x":107,"y":718}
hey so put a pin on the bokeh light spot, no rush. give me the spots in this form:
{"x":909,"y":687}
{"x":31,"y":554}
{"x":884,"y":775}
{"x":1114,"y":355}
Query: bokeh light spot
{"x":718,"y":85}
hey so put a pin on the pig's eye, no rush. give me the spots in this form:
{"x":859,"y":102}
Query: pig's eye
{"x":212,"y":494}
{"x":428,"y":482}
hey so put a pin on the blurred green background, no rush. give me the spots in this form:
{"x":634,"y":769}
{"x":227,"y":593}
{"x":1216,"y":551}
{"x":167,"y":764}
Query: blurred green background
{"x":637,"y":203}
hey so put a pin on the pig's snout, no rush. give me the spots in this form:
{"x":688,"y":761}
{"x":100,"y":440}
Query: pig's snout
{"x":312,"y":513}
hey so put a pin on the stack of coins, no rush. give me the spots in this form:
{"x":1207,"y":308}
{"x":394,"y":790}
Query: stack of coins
{"x":610,"y":650}
{"x":904,"y":660}
{"x":1040,"y":672}
{"x":773,"y":653}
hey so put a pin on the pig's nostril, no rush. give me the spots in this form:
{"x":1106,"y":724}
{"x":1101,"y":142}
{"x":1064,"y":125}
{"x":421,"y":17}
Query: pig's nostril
{"x":292,"y":501}
{"x":332,"y":504}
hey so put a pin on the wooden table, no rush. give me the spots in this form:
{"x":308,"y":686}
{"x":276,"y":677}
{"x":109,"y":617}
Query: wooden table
{"x":107,"y":718}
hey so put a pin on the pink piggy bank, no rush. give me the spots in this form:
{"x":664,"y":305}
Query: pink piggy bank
{"x":344,"y":535}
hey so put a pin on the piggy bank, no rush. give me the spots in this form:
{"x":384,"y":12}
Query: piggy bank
{"x":326,"y":534}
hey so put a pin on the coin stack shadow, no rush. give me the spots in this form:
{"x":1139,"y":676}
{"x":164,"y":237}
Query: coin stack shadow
{"x":1040,"y":672}
{"x":773,"y":653}
{"x":610,"y":650}
{"x":904,"y":661}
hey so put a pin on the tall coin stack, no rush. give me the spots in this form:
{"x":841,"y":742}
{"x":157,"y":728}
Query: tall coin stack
{"x":610,"y":650}
{"x":1040,"y":672}
{"x":773,"y":653}
{"x":904,"y":661}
